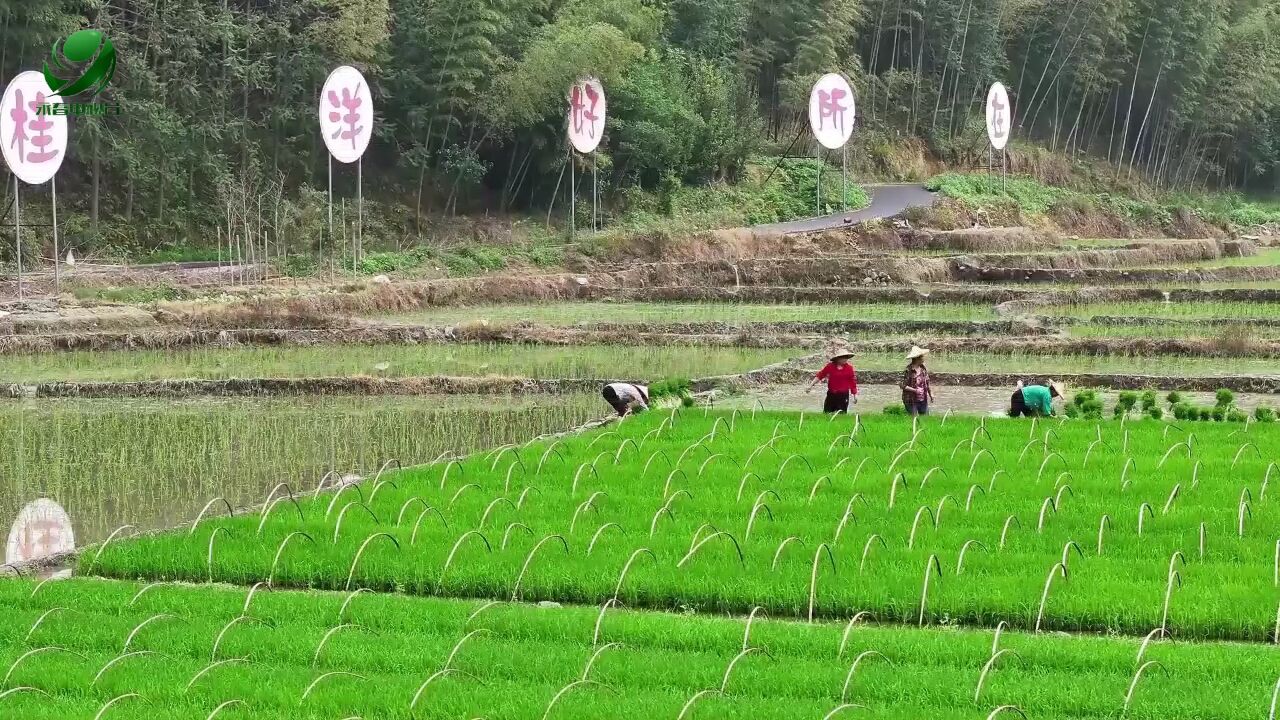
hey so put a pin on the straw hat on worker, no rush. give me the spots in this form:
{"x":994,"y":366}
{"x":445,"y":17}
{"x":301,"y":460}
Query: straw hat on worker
{"x":917,"y":352}
{"x":840,"y":377}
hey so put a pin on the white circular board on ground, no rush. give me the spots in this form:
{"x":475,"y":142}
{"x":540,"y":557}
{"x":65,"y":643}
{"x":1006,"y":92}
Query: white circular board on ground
{"x":999,"y":116}
{"x":34,"y":143}
{"x":831,"y":111}
{"x":588,"y":109}
{"x":42,"y":529}
{"x":346,"y":114}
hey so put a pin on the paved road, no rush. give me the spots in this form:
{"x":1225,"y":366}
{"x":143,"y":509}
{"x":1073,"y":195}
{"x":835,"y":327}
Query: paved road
{"x":886,"y":201}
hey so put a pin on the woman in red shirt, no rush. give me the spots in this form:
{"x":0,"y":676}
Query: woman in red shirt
{"x":842,"y":383}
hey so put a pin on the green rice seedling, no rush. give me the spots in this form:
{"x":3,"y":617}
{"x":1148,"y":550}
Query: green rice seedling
{"x":511,"y":660}
{"x":735,"y":571}
{"x":995,"y":656}
{"x":853,"y":669}
{"x":1057,"y":570}
{"x":155,"y":464}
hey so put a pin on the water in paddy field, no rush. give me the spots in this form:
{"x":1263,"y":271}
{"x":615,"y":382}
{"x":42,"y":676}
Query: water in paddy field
{"x":155,"y":464}
{"x":971,"y":400}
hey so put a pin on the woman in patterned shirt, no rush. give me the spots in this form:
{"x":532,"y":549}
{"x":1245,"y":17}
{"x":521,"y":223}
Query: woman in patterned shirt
{"x":916,"y":391}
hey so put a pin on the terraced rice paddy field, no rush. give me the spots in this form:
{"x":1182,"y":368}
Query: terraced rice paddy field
{"x":349,"y":553}
{"x":856,"y":548}
{"x":591,"y":362}
{"x":153,"y":463}
{"x":575,"y":313}
{"x":318,"y":656}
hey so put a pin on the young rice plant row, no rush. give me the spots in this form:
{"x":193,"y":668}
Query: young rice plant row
{"x":86,"y":649}
{"x":150,"y":464}
{"x":1043,"y":525}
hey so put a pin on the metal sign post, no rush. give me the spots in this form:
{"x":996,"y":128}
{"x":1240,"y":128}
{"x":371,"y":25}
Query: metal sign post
{"x":573,"y":195}
{"x":330,"y":209}
{"x":17,"y":232}
{"x":844,"y":177}
{"x":819,"y":186}
{"x":359,"y":234}
{"x":57,"y":263}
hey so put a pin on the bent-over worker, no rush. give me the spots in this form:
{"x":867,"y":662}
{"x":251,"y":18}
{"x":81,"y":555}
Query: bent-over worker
{"x":626,"y":398}
{"x":1035,"y":400}
{"x":842,"y":383}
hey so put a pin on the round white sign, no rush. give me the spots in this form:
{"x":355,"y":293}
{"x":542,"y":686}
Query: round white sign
{"x":33,"y":135}
{"x":999,"y":116}
{"x":42,"y":529}
{"x":346,"y":114}
{"x":587,"y":111}
{"x":831,"y":111}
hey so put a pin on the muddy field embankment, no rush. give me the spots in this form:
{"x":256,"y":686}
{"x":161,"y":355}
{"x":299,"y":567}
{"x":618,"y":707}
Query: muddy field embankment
{"x":1188,"y":325}
{"x":824,"y":280}
{"x":1137,"y":255}
{"x":973,"y":240}
{"x":418,"y":386}
{"x":1135,"y":347}
{"x":1115,"y":276}
{"x":937,"y":295}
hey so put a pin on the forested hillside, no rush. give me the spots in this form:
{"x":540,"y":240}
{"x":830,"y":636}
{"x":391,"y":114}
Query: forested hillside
{"x":220,"y":95}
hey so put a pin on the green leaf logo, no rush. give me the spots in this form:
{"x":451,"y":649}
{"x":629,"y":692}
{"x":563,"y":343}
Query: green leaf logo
{"x":89,"y":49}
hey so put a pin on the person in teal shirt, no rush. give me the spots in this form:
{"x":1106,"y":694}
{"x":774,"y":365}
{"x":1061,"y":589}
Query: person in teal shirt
{"x":1035,"y":400}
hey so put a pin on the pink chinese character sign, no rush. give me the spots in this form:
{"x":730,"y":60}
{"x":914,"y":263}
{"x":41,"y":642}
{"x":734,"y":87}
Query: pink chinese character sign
{"x":999,"y":116}
{"x":346,"y":114}
{"x":33,"y":139}
{"x":41,"y":529}
{"x":831,"y":111}
{"x":587,"y":111}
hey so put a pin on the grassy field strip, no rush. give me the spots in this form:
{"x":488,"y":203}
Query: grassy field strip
{"x":1183,"y":310}
{"x":610,"y":362}
{"x":598,"y":363}
{"x":1047,"y":364}
{"x":154,"y":464}
{"x":573,"y":313}
{"x":1179,"y":332}
{"x":171,"y":651}
{"x":753,"y":504}
{"x":1265,"y":257}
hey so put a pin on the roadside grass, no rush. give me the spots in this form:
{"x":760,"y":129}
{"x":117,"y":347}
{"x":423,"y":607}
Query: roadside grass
{"x":1024,"y":198}
{"x":789,"y":195}
{"x":155,"y":463}
{"x":717,"y":512}
{"x":575,"y":313}
{"x":589,"y":362}
{"x":316,"y":656}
